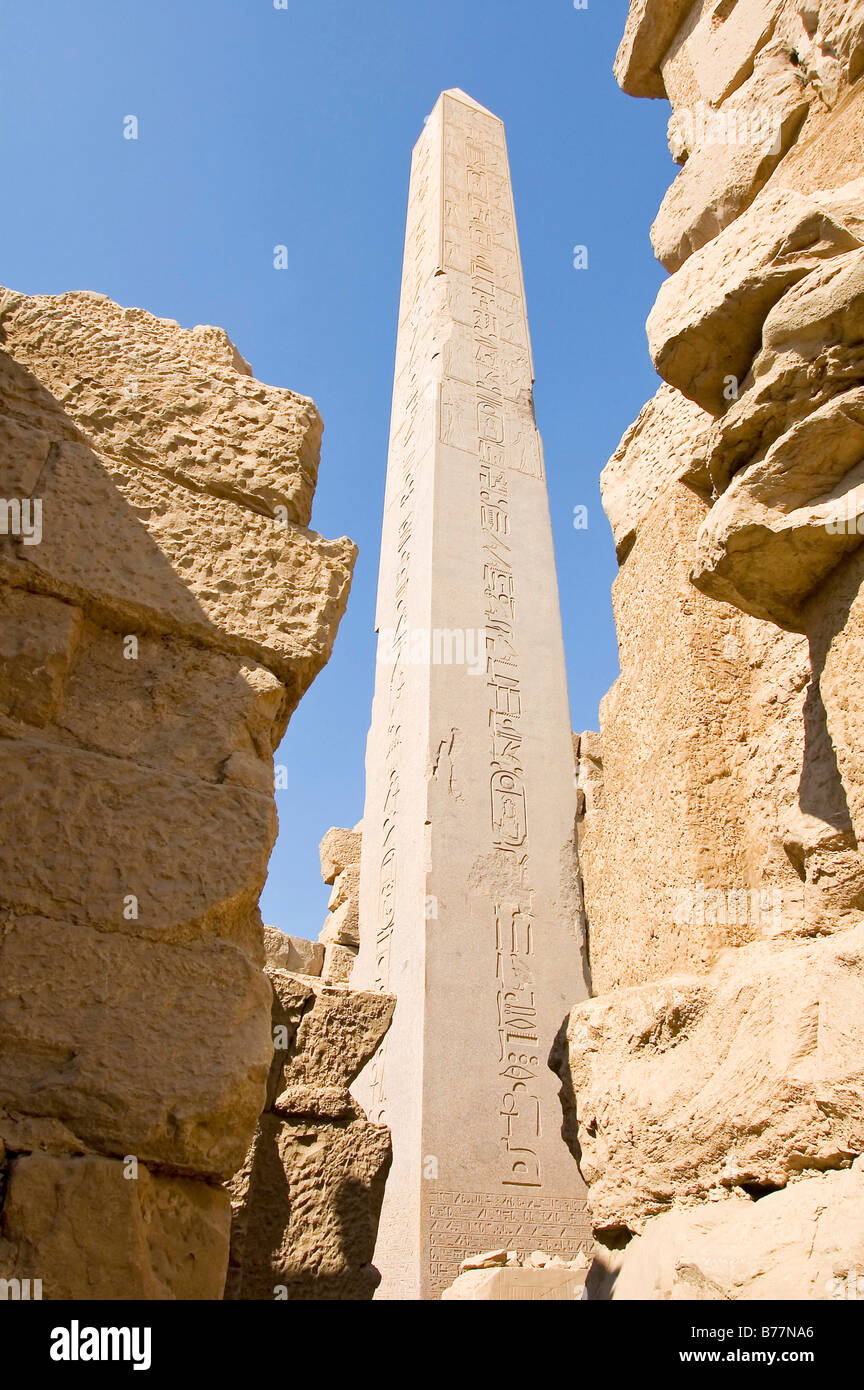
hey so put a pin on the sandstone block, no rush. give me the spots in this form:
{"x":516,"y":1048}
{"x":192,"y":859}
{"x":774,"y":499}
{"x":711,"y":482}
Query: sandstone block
{"x":804,"y":1243}
{"x":744,"y":1078}
{"x":177,"y":705}
{"x":723,"y":47}
{"x":133,"y":543}
{"x":89,"y":1232}
{"x":23,"y":455}
{"x":782,"y":525}
{"x":38,"y":641}
{"x":699,"y":765}
{"x":63,"y":801}
{"x":706,"y":325}
{"x":339,"y":850}
{"x":668,"y":442}
{"x":183,"y":402}
{"x":518,"y":1285}
{"x":835,"y":621}
{"x":810,"y":355}
{"x":138,"y":1047}
{"x":346,"y":887}
{"x":841,"y":32}
{"x":342,"y":926}
{"x":339,"y":962}
{"x":720,"y":180}
{"x":306,"y":1206}
{"x":651,"y":27}
{"x":293,"y":953}
{"x":337,"y":1037}
{"x":307,"y":1198}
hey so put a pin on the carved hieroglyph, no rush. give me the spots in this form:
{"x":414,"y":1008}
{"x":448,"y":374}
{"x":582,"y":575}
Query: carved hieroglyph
{"x":470,"y":911}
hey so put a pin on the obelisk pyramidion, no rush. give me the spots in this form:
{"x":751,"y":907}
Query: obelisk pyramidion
{"x":469,"y":903}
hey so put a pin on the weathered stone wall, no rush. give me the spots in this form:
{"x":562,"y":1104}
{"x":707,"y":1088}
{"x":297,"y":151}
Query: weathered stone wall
{"x":340,"y":935}
{"x":156,"y":636}
{"x":308,"y":1196}
{"x":722,"y":1060}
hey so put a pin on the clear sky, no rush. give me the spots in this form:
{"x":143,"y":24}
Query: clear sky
{"x":261,"y":127}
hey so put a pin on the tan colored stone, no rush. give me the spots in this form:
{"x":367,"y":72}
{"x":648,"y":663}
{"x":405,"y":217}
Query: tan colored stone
{"x":841,"y":32}
{"x":207,"y":422}
{"x":23,"y":457}
{"x":339,"y":850}
{"x":651,"y":28}
{"x":706,"y":325}
{"x":212,"y":716}
{"x":689,"y":791}
{"x":346,"y":887}
{"x":339,"y":962}
{"x":786,"y":521}
{"x":38,"y":641}
{"x":306,"y":1210}
{"x":342,"y":926}
{"x":722,"y":176}
{"x":744,"y":1078}
{"x":293,"y":953}
{"x":810,"y":355}
{"x":336,"y":1038}
{"x":666,"y":443}
{"x":192,"y":565}
{"x":490,"y":1260}
{"x":138,"y":1047}
{"x":155,"y":642}
{"x":517,"y":1285}
{"x":63,"y":801}
{"x":835,"y":623}
{"x":726,"y":42}
{"x":307,"y":1199}
{"x":804,"y":1243}
{"x":727,"y":770}
{"x":89,"y":1231}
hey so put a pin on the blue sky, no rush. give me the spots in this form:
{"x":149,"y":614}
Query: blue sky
{"x":261,"y":126}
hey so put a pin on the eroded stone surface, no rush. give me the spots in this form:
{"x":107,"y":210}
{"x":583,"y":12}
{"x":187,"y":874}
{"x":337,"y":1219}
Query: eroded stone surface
{"x":804,"y":1243}
{"x":307,"y":1198}
{"x":340,"y":934}
{"x":746,"y":1077}
{"x":89,"y":1230}
{"x":728,"y":760}
{"x":158,"y":628}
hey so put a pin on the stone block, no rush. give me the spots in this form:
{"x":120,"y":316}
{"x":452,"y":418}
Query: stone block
{"x":64,"y":801}
{"x":38,"y":641}
{"x":339,"y":849}
{"x":706,"y":324}
{"x":137,"y":1046}
{"x":744,"y":1078}
{"x":805,"y":1243}
{"x":154,"y":554}
{"x":90,"y":1232}
{"x":553,"y":1285}
{"x":293,"y":953}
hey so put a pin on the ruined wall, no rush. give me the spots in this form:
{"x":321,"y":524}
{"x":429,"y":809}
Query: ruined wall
{"x":721,"y":1061}
{"x":307,"y":1198}
{"x":157,"y":633}
{"x":340,"y":935}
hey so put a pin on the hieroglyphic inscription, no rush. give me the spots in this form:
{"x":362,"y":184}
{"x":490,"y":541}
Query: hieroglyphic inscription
{"x":462,"y":1224}
{"x":406,"y":447}
{"x":484,"y":203}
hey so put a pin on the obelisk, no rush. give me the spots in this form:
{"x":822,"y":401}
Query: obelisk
{"x":470,"y":911}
